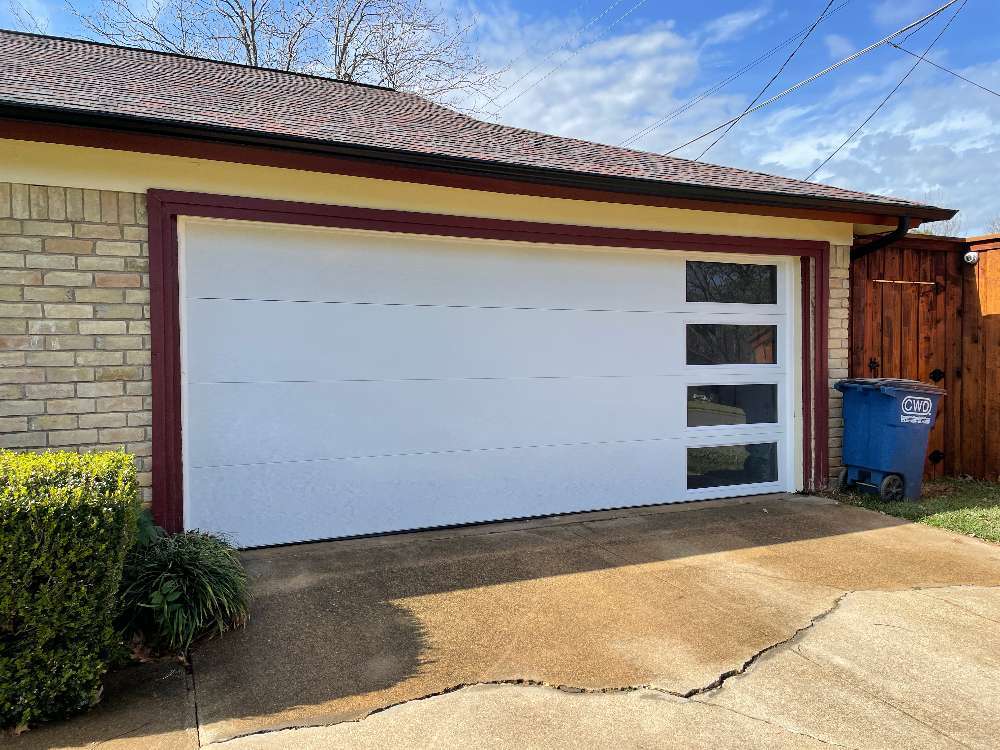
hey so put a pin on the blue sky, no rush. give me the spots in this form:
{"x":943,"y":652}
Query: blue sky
{"x":937,"y":139}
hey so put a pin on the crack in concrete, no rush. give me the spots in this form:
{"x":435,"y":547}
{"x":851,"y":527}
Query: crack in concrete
{"x":750,"y":571}
{"x":775,"y":724}
{"x":721,"y":680}
{"x":962,"y":607}
{"x":691,"y":695}
{"x":123,"y":733}
{"x":891,"y":626}
{"x":885,"y":701}
{"x":571,"y":689}
{"x":517,"y":682}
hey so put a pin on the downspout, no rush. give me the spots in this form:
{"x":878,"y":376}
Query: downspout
{"x":886,"y":239}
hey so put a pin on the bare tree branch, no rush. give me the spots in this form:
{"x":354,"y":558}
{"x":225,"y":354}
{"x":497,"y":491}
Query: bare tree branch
{"x":403,"y":44}
{"x":27,"y":20}
{"x":953,"y":227}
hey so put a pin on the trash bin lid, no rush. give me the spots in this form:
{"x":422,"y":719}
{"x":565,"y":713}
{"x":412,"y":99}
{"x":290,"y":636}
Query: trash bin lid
{"x":878,"y":384}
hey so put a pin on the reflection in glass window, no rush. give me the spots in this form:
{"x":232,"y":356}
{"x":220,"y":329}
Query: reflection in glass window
{"x":724,"y":465}
{"x":710,"y":405}
{"x":724,"y":344}
{"x":732,"y":283}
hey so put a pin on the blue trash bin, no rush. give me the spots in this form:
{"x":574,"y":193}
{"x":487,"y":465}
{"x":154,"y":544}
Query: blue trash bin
{"x":886,"y":426}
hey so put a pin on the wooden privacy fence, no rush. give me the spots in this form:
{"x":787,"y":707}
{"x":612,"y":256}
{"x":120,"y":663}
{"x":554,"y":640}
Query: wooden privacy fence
{"x":919,"y":311}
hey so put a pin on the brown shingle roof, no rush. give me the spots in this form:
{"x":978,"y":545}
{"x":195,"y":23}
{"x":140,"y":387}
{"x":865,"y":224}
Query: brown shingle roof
{"x":85,"y":77}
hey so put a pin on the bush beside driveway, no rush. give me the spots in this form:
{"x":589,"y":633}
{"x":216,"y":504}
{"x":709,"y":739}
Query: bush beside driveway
{"x":67,"y":521}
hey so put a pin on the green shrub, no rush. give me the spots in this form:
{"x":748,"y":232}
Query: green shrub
{"x":180,"y":587}
{"x":66,"y":522}
{"x":146,"y":530}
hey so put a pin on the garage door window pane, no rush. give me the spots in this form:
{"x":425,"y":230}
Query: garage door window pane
{"x":724,"y":465}
{"x":732,"y":283}
{"x":710,"y":405}
{"x":723,"y":344}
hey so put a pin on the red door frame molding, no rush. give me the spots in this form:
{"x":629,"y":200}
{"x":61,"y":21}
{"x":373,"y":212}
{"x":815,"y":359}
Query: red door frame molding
{"x":165,"y":206}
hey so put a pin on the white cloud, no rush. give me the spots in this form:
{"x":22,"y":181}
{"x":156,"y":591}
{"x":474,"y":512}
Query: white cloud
{"x":604,"y":89}
{"x":838,"y":46}
{"x":732,"y":25}
{"x":899,"y":12}
{"x":937,"y":137}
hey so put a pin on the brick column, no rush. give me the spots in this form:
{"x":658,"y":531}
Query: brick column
{"x":74,"y":321}
{"x":839,"y":353}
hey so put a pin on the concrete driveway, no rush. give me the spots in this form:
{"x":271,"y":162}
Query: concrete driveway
{"x":776,"y":622}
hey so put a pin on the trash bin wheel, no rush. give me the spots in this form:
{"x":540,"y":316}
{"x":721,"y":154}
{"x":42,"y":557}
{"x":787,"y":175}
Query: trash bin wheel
{"x":842,"y":482}
{"x":891,"y":489}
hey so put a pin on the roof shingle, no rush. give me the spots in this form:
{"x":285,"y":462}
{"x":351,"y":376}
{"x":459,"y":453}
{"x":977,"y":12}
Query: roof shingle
{"x":87,"y":77}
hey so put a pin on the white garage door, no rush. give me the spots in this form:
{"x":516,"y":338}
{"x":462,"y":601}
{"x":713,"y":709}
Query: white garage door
{"x":343,"y":382}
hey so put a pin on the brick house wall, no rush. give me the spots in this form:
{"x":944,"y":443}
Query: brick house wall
{"x":839,"y":347}
{"x":74,"y":321}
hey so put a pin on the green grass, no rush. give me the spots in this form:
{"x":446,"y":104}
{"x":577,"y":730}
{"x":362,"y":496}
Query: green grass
{"x":965,"y":506}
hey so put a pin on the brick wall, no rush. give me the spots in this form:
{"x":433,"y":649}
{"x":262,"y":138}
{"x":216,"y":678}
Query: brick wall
{"x":74,"y":321}
{"x":839,"y":362}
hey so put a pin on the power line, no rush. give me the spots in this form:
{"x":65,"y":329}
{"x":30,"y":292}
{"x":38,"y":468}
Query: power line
{"x":815,"y":76}
{"x":946,"y":70}
{"x":917,"y":30}
{"x":889,"y":95}
{"x":773,"y":78}
{"x":536,"y":66}
{"x":641,"y":133}
{"x":575,"y":52}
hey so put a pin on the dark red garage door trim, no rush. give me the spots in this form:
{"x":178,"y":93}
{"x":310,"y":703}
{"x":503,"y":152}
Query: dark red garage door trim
{"x":165,"y":206}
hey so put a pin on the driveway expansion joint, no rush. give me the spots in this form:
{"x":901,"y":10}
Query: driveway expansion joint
{"x":192,"y":688}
